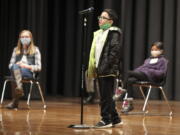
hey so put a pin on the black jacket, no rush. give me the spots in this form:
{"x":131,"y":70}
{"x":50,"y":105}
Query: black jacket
{"x":111,"y":55}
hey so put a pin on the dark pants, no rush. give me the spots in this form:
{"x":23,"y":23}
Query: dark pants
{"x":133,"y":76}
{"x":106,"y":89}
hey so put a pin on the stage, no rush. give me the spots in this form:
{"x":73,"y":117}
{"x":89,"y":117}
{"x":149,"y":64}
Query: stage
{"x":62,"y":112}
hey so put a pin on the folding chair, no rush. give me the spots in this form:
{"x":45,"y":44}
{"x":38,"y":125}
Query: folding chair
{"x":151,"y":85}
{"x":32,"y":81}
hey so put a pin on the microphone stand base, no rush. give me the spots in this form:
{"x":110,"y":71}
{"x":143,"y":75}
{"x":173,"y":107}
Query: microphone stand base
{"x":80,"y":126}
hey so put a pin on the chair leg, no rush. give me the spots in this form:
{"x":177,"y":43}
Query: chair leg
{"x":167,"y":102}
{"x":29,"y":95}
{"x":40,"y":91}
{"x":147,"y":97}
{"x":4,"y":87}
{"x":142,"y":92}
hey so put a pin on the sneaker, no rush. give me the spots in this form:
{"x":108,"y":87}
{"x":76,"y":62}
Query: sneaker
{"x":117,"y":122}
{"x":118,"y":93}
{"x":90,"y":98}
{"x":103,"y":124}
{"x":127,"y":105}
{"x":120,"y":123}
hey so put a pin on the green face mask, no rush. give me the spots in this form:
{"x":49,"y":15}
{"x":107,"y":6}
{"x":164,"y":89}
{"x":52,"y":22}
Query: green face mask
{"x":105,"y":26}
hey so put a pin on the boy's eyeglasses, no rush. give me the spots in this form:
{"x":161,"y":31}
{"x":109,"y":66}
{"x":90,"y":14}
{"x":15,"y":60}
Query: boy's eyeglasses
{"x":103,"y":18}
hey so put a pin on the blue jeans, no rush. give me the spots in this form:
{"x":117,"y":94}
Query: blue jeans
{"x":24,"y":71}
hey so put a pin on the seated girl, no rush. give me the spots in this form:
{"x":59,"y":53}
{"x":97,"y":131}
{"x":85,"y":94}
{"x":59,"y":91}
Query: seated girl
{"x":154,"y":69}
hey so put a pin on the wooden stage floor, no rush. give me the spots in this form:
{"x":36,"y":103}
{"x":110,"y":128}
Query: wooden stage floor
{"x":61,"y":113}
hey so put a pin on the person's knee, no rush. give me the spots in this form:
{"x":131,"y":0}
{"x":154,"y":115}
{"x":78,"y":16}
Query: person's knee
{"x":26,"y":73}
{"x":131,"y":80}
{"x":14,"y":67}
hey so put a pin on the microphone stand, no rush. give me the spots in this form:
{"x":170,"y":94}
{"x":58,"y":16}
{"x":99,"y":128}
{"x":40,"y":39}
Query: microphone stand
{"x":82,"y":125}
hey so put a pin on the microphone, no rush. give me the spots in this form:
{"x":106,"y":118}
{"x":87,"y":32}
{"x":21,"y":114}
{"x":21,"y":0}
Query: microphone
{"x":89,"y":10}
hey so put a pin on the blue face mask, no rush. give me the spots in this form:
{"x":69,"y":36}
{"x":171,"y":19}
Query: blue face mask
{"x":25,"y":41}
{"x":105,"y":26}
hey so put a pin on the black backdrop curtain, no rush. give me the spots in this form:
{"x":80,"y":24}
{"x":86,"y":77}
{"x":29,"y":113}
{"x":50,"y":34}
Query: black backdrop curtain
{"x":57,"y":30}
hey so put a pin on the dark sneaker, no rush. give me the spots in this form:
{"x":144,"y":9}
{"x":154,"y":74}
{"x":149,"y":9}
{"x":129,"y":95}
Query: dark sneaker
{"x":90,"y":98}
{"x":127,"y":105}
{"x":102,"y":124}
{"x":117,"y":123}
{"x":118,"y":93}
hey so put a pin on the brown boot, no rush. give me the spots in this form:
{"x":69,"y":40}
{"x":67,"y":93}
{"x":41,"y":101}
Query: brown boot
{"x":14,"y":104}
{"x":19,"y":92}
{"x":18,"y":79}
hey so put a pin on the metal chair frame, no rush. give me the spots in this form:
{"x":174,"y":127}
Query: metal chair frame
{"x":25,"y":80}
{"x":150,"y":85}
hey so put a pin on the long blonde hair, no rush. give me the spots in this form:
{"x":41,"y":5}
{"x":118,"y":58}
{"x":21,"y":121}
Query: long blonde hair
{"x":31,"y":47}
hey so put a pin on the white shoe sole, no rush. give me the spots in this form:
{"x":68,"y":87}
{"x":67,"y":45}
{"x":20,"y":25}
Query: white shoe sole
{"x":106,"y":126}
{"x":118,"y":124}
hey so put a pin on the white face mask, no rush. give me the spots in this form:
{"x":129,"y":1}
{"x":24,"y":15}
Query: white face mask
{"x":25,"y":41}
{"x":156,"y":53}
